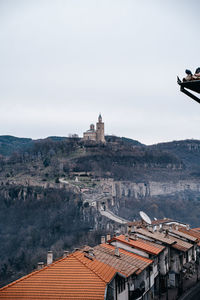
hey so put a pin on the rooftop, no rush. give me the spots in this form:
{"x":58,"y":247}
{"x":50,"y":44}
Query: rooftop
{"x":196,"y":229}
{"x":175,"y":242}
{"x":191,"y":232}
{"x":156,"y":235}
{"x":84,"y":274}
{"x":154,"y":222}
{"x":141,"y":244}
{"x":140,"y":262}
{"x":180,"y":244}
{"x":161,"y":221}
{"x":183,"y":234}
{"x":121,"y":263}
{"x":73,"y":277}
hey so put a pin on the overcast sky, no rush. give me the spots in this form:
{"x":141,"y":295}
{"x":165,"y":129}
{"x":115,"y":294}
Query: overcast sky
{"x":64,"y":61}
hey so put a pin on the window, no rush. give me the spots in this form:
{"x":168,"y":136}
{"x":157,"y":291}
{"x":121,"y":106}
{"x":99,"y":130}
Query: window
{"x":187,"y":257}
{"x":121,"y":284}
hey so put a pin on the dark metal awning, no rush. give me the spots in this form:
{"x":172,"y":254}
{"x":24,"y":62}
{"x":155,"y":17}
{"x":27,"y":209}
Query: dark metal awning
{"x":193,"y":85}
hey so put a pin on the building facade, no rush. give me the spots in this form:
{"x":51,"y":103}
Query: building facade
{"x":96,"y":135}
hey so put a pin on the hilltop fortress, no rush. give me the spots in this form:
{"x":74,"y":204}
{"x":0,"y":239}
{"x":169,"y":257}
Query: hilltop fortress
{"x":95,"y":135}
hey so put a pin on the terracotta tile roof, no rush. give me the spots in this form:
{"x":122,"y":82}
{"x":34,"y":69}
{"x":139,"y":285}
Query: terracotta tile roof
{"x":180,"y":244}
{"x":122,"y":264}
{"x":197,"y":234}
{"x":154,"y":222}
{"x":196,"y":229}
{"x":184,"y":234}
{"x":168,"y":221}
{"x":73,"y":277}
{"x":139,"y":261}
{"x":104,"y":271}
{"x":159,"y":246}
{"x":135,"y":223}
{"x":175,"y":242}
{"x":161,"y":221}
{"x":141,"y":244}
{"x":191,"y":232}
{"x":156,"y":235}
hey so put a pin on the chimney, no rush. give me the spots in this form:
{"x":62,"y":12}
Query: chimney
{"x":134,"y":237}
{"x":133,"y":228}
{"x":117,"y":252}
{"x":66,"y":253}
{"x":187,"y":227}
{"x":40,"y":265}
{"x":108,"y":237}
{"x":126,"y":237}
{"x":91,"y":252}
{"x":103,"y":239}
{"x":49,"y":257}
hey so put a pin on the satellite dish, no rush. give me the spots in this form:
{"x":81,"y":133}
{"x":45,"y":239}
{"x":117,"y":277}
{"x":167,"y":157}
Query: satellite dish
{"x":145,"y":218}
{"x":155,"y":219}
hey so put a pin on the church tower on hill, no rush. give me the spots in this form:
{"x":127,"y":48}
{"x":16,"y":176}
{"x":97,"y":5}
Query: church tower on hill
{"x":95,"y":135}
{"x":100,"y":130}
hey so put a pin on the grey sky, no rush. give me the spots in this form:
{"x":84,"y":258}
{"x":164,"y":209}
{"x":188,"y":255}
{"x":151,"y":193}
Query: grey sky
{"x":63,"y":62}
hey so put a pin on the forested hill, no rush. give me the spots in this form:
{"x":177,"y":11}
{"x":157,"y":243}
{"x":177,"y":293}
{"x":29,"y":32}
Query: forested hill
{"x":10,"y":144}
{"x":118,"y":153}
{"x":187,"y":150}
{"x":119,"y":158}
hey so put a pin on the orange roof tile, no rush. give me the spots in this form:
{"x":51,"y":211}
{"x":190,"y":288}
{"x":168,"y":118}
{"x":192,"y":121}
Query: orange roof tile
{"x":73,"y":277}
{"x":156,"y":235}
{"x":122,"y":264}
{"x":180,"y":244}
{"x":192,"y":232}
{"x":146,"y":246}
{"x":183,"y":234}
{"x":175,"y":242}
{"x":104,"y":271}
{"x":196,"y":229}
{"x":139,"y":261}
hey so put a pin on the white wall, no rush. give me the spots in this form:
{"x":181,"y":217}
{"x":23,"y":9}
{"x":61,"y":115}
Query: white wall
{"x":190,"y":255}
{"x":123,"y":295}
{"x":175,"y":262}
{"x":163,"y":262}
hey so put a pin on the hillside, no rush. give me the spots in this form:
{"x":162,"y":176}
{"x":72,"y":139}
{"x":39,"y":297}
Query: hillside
{"x":52,"y":191}
{"x":187,"y":150}
{"x":120,"y":159}
{"x":10,"y":144}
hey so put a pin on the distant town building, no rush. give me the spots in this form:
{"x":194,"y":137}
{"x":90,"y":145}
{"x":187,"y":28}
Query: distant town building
{"x":95,"y":135}
{"x":73,"y":136}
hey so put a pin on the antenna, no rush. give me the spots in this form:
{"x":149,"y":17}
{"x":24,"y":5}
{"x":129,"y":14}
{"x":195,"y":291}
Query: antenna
{"x":145,"y":218}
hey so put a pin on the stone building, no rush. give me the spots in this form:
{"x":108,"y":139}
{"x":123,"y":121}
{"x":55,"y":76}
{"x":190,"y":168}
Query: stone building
{"x":95,"y":135}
